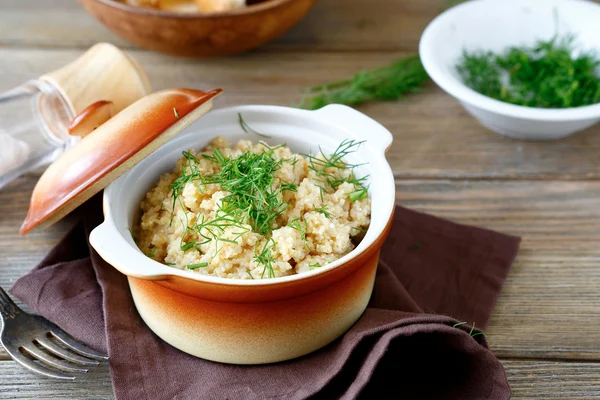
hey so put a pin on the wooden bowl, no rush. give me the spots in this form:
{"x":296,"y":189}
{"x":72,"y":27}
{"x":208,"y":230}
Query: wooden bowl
{"x":202,"y":34}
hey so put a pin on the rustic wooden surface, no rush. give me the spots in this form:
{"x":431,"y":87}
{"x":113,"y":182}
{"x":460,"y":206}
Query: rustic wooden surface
{"x":546,"y":326}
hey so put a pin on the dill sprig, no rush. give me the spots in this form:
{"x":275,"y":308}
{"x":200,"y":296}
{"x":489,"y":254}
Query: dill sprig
{"x":246,"y":128}
{"x":323,"y":210}
{"x":199,"y":265}
{"x":545,"y":75}
{"x":324,"y":167}
{"x":299,"y":224}
{"x":472,"y":332}
{"x":392,"y":82}
{"x":249,"y":179}
{"x":265,"y":258}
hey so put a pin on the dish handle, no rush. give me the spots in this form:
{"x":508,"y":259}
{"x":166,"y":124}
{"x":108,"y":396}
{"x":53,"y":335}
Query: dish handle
{"x":353,"y":120}
{"x":116,"y":251}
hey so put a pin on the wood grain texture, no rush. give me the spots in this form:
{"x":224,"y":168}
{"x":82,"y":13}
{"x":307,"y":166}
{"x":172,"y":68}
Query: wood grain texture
{"x":434,"y":137}
{"x":528,"y":380}
{"x":445,"y":162}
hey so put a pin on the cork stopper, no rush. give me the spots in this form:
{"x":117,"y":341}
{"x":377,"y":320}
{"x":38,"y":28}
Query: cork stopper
{"x":103,"y":73}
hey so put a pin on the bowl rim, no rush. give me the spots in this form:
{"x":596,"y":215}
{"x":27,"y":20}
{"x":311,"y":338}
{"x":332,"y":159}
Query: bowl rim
{"x":462,"y":92}
{"x":347,"y":116}
{"x":253,"y":9}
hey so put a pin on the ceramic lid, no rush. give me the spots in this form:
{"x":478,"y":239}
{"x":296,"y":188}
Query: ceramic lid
{"x":111,"y":149}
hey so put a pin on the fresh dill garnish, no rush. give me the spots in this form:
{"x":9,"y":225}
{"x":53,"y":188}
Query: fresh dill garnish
{"x":323,"y":210}
{"x":472,"y":329}
{"x":199,"y":265}
{"x":249,"y":273}
{"x":299,"y":224}
{"x":254,"y":197}
{"x":170,"y":263}
{"x":205,"y":230}
{"x":324,"y":167}
{"x":175,"y":112}
{"x":314,"y":266}
{"x":392,"y":82}
{"x":246,"y":128}
{"x":249,"y":179}
{"x":358,"y":195}
{"x":265,"y":258}
{"x":545,"y":75}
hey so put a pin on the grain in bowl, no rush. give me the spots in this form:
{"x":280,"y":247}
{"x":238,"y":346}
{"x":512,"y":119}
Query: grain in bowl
{"x":254,"y":211}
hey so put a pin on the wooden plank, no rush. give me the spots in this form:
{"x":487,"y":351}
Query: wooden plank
{"x":331,"y":25}
{"x":528,"y":380}
{"x":17,"y":383}
{"x":434,"y":137}
{"x":553,"y":380}
{"x":550,"y":304}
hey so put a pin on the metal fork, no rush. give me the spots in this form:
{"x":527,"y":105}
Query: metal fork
{"x":29,"y":337}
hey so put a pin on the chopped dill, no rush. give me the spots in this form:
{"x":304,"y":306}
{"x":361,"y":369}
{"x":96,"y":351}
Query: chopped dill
{"x":299,"y":224}
{"x":249,"y":179}
{"x":170,"y":263}
{"x":246,"y":128}
{"x":471,"y":332}
{"x":323,"y":210}
{"x":314,"y":266}
{"x":358,"y":195}
{"x":254,"y":197}
{"x":199,"y":265}
{"x":175,"y":112}
{"x":265,"y":258}
{"x":388,"y":83}
{"x":545,"y":75}
{"x":324,"y":165}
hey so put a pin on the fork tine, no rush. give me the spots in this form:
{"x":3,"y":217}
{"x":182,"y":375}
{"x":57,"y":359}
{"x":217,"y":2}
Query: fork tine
{"x":52,"y":361}
{"x":64,"y":353}
{"x":38,"y":369}
{"x":77,"y":347}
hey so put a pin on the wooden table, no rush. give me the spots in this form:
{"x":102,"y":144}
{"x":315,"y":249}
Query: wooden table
{"x":546,"y":326}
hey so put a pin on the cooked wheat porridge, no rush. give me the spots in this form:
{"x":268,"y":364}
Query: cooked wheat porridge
{"x":254,"y":211}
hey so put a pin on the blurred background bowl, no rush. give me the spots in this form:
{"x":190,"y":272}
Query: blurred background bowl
{"x":201,"y":34}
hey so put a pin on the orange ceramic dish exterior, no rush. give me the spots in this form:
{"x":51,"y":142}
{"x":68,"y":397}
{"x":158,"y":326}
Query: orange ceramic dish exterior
{"x":200,"y":34}
{"x":258,"y":324}
{"x":112,"y":149}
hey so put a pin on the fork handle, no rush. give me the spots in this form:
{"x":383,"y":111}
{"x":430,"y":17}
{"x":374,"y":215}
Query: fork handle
{"x":8,"y":308}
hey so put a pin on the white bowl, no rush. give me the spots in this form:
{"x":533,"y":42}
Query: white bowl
{"x":495,"y":25}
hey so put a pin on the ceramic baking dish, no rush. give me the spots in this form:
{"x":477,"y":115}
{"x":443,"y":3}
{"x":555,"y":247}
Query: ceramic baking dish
{"x":253,"y":321}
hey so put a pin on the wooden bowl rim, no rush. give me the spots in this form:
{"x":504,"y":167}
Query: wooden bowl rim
{"x":253,"y":9}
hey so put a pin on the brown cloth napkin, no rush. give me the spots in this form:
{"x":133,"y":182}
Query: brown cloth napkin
{"x":433,"y":275}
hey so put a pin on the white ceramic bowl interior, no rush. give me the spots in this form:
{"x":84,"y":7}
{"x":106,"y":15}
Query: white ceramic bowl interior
{"x":303,"y":131}
{"x":495,"y":25}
